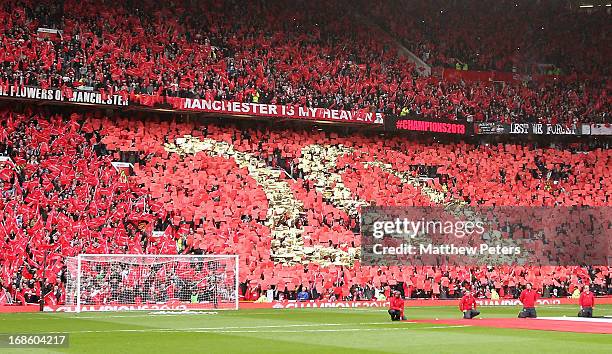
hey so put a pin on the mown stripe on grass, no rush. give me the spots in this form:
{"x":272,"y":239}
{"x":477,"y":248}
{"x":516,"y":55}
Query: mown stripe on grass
{"x":267,"y":328}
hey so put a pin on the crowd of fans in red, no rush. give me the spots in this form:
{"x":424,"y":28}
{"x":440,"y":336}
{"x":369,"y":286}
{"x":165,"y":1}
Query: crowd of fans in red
{"x":62,"y":196}
{"x":506,"y":36}
{"x":309,"y":53}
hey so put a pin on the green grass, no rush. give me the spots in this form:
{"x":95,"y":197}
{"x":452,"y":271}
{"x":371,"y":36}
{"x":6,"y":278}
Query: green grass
{"x":310,"y":331}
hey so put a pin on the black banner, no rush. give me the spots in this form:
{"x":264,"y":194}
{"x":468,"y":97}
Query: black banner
{"x":488,"y":128}
{"x":55,"y":94}
{"x":414,"y":124}
{"x":543,"y":129}
{"x":491,"y":128}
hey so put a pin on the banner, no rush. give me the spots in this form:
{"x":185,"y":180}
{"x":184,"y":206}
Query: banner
{"x":142,"y":307}
{"x":56,"y":95}
{"x":7,"y":159}
{"x":605,"y":300}
{"x":394,"y":123}
{"x":487,"y":128}
{"x":275,"y":111}
{"x":19,"y":308}
{"x":542,"y":129}
{"x":49,"y":33}
{"x":294,"y":304}
{"x":327,"y":304}
{"x":601,"y":129}
{"x":118,"y":165}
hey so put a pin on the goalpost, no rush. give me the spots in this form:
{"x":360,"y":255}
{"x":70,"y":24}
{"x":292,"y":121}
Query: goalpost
{"x":127,"y":282}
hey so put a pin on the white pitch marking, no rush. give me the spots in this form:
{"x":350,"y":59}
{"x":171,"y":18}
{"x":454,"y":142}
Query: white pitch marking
{"x":307,"y":330}
{"x":165,"y":313}
{"x":264,"y":329}
{"x":215,"y":328}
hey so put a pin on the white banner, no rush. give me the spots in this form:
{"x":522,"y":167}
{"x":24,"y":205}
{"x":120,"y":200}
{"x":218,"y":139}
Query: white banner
{"x":515,"y":302}
{"x":4,"y":159}
{"x":601,"y":129}
{"x":119,"y":165}
{"x":327,"y":304}
{"x":106,"y":308}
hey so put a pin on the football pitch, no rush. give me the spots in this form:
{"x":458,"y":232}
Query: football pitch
{"x":354,"y":330}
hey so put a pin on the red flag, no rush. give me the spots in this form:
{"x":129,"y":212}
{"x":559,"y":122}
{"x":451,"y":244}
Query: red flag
{"x":68,"y":92}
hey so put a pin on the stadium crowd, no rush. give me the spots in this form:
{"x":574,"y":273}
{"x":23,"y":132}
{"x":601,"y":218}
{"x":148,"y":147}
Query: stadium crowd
{"x":60,"y":198}
{"x":286,"y":200}
{"x":312,"y":53}
{"x":556,"y":33}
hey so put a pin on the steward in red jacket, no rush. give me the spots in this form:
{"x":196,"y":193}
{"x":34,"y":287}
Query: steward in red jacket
{"x":528,"y":298}
{"x":587,"y":302}
{"x":467,"y":305}
{"x":396,"y":307}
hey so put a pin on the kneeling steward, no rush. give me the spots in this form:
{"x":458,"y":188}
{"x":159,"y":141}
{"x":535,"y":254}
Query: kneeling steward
{"x":396,"y":307}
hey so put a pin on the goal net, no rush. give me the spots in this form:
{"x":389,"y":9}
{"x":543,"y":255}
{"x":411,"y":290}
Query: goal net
{"x":126,"y":282}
